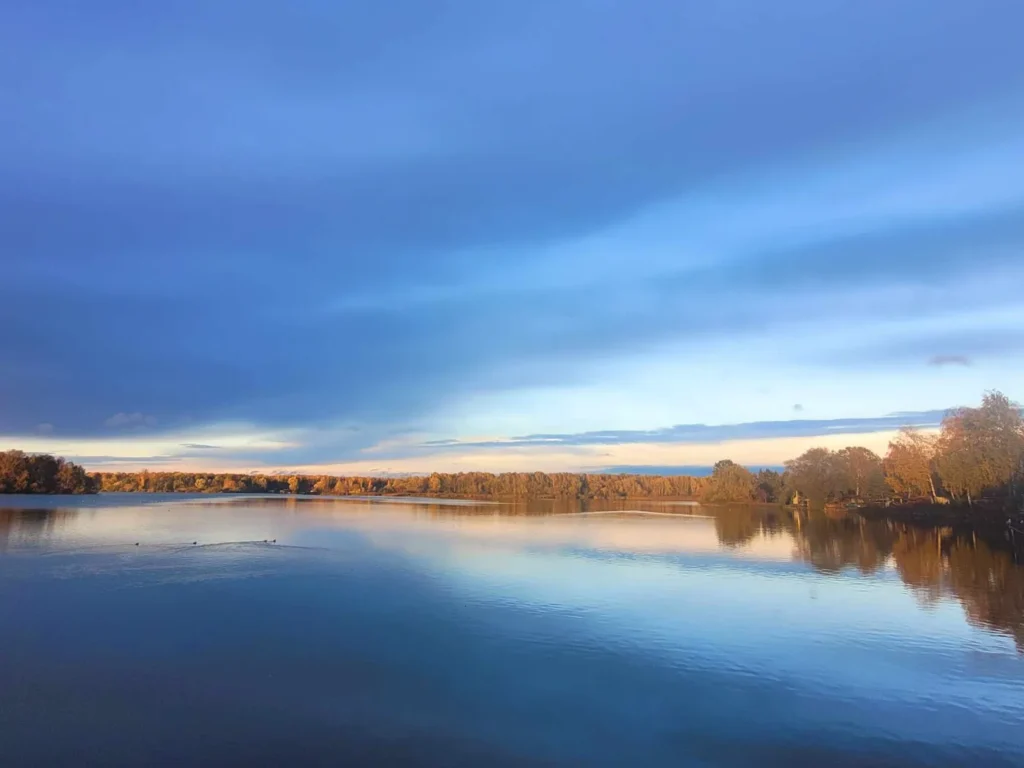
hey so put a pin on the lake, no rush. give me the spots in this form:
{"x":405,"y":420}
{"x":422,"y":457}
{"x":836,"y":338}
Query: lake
{"x":328,"y":632}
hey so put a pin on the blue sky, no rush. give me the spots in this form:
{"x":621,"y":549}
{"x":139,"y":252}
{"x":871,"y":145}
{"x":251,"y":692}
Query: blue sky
{"x":411,"y":236}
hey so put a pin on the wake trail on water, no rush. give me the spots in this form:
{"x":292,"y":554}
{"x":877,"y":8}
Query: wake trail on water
{"x":266,"y":543}
{"x":169,"y":548}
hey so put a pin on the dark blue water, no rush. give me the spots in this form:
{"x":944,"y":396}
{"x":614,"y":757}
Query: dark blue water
{"x":413,"y":634}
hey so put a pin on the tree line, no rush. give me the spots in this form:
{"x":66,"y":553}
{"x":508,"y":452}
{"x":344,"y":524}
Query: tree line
{"x":509,"y":485}
{"x":977,"y":454}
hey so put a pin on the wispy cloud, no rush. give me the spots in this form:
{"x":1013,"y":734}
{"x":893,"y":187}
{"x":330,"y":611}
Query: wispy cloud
{"x":763,"y":452}
{"x":695,"y":434}
{"x":940,"y":360}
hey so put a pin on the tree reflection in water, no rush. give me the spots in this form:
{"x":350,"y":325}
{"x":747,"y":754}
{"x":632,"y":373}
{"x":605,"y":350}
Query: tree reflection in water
{"x":31,"y":525}
{"x":990,"y":585}
{"x":980,"y":568}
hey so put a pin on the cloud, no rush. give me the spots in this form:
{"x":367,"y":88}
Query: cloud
{"x":44,"y":429}
{"x":766,"y":452}
{"x":123,"y":463}
{"x":699,"y":434}
{"x":941,"y":360}
{"x":199,"y":446}
{"x":797,"y":408}
{"x":130,"y":420}
{"x":990,"y":340}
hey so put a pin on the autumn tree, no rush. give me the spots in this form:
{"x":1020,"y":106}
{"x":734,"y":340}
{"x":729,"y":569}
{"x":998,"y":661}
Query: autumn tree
{"x":770,"y":486}
{"x":861,"y":471}
{"x":817,"y":474}
{"x":909,"y":463}
{"x":15,"y":476}
{"x":959,"y":456}
{"x":71,"y":478}
{"x":730,"y":482}
{"x":981,"y":448}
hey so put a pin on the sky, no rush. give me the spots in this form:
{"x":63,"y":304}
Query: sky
{"x":514,"y":235}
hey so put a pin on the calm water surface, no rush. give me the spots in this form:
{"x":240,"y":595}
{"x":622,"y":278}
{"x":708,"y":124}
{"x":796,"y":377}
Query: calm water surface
{"x":427,"y":634}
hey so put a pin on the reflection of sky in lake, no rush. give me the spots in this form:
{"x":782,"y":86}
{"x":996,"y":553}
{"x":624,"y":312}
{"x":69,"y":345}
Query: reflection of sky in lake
{"x":512,"y":616}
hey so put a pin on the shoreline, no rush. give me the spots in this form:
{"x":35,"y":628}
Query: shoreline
{"x":981,"y":515}
{"x":943,"y":514}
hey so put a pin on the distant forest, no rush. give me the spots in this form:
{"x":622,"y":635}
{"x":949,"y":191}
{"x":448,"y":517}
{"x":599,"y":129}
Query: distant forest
{"x":511,"y":485}
{"x":977,"y":455}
